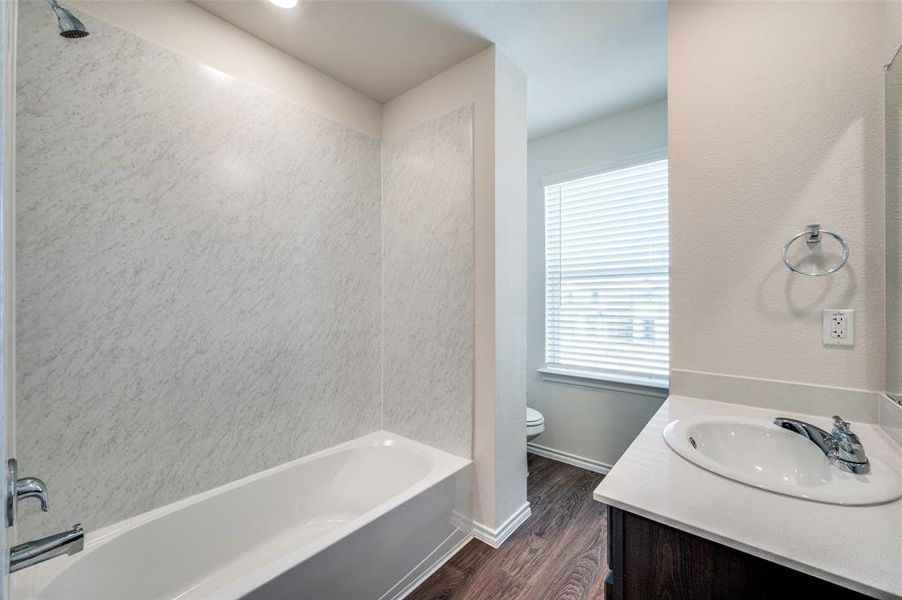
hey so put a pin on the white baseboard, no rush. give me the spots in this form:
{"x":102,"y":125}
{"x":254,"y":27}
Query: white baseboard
{"x":429,"y":565}
{"x":496,"y":537}
{"x":571,"y":459}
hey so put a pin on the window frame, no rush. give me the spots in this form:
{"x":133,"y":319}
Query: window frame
{"x":584,"y":376}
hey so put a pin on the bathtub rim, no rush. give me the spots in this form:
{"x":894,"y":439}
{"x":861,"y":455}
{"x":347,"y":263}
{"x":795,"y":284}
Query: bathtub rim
{"x":34,"y":581}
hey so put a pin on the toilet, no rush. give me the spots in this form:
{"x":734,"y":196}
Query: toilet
{"x":535,"y":424}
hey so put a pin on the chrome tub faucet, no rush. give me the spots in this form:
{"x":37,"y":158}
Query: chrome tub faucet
{"x":841,"y":446}
{"x":36,"y":551}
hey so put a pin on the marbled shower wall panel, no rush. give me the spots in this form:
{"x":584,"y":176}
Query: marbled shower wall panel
{"x":198,"y":276}
{"x":428,"y":282}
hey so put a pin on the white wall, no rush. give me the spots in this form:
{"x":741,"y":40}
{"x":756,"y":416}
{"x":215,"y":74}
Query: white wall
{"x":592,"y":424}
{"x":191,"y":31}
{"x":510,"y":288}
{"x":893,"y":116}
{"x":893,"y":21}
{"x":775,"y":121}
{"x":500,"y":475}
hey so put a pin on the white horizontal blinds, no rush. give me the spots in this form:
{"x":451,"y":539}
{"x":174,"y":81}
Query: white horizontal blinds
{"x":606,"y":274}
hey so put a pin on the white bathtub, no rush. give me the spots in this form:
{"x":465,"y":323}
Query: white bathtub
{"x":365,"y":519}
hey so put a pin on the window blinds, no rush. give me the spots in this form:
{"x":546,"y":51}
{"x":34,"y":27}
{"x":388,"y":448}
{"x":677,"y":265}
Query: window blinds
{"x":606,"y":275}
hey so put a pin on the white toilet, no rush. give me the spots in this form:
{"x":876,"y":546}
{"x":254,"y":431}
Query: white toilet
{"x":535,"y":424}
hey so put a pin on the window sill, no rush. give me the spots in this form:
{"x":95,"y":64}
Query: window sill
{"x":643,"y":387}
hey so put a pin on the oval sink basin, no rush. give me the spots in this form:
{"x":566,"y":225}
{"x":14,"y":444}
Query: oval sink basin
{"x":758,"y":453}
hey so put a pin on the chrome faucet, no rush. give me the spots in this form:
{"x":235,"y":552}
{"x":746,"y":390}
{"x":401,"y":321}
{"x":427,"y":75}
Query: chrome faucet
{"x":36,"y":551}
{"x":841,"y":446}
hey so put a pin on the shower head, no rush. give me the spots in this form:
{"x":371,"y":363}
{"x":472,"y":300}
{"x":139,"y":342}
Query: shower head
{"x":70,"y":26}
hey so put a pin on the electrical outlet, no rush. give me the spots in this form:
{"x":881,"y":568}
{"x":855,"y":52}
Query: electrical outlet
{"x":839,"y":327}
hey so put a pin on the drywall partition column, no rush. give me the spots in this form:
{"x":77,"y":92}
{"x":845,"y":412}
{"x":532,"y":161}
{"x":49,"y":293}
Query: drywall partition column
{"x":498,"y":423}
{"x":511,"y":507}
{"x":775,"y":121}
{"x":588,"y":425}
{"x":199,"y":290}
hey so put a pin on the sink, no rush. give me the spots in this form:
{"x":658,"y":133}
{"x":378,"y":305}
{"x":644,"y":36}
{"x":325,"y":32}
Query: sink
{"x":760,"y":454}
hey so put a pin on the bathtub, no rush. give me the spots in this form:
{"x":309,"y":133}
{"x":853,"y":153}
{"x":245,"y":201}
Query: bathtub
{"x":365,"y":519}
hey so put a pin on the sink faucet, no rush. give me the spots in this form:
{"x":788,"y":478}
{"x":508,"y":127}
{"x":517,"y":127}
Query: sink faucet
{"x":841,"y":446}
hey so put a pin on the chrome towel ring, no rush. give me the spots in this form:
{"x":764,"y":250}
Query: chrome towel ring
{"x":813,"y":234}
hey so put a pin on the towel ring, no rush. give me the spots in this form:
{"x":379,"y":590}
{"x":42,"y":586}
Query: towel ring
{"x":813,"y":233}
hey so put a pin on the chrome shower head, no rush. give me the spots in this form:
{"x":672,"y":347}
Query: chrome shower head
{"x":70,"y":26}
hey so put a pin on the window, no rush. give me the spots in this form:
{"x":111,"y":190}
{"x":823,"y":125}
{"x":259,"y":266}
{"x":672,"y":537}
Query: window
{"x":607,"y":275}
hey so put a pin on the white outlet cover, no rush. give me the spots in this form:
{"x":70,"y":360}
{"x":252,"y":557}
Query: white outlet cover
{"x":839,"y":327}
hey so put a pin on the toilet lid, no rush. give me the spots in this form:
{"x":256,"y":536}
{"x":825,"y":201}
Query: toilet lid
{"x":533,"y":416}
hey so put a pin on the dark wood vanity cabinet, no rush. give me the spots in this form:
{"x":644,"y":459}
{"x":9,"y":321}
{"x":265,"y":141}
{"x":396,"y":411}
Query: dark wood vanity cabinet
{"x":651,"y":561}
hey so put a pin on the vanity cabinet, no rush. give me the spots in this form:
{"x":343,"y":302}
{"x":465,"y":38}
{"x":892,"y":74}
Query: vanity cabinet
{"x":651,"y":561}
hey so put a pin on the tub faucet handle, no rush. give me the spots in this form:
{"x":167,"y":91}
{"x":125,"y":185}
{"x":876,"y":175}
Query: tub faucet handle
{"x":19,"y":489}
{"x":32,"y":487}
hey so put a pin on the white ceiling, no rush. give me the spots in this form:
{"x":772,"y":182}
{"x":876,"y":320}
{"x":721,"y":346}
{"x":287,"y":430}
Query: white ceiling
{"x":584,"y":59}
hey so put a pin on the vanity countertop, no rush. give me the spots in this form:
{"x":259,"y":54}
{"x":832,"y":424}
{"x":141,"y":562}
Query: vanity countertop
{"x":859,"y":547}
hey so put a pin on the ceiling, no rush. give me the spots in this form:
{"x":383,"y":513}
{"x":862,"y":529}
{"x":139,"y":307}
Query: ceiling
{"x":584,"y":59}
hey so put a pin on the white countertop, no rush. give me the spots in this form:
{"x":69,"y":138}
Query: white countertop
{"x":859,"y":547}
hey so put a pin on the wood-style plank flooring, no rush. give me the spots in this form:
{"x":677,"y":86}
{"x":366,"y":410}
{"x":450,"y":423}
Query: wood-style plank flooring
{"x":557,"y":554}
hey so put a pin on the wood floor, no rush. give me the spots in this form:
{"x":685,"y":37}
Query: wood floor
{"x":558,"y":554}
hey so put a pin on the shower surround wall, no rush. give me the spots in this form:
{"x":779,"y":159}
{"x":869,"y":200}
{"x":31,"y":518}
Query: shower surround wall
{"x":198,"y":276}
{"x":209,"y":277}
{"x":428,"y":283}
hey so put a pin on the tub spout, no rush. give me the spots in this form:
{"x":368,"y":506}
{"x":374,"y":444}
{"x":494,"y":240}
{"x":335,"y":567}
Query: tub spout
{"x":37,"y":551}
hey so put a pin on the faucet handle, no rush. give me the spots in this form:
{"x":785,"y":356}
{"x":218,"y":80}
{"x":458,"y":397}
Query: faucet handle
{"x":840,"y":425}
{"x":32,"y":487}
{"x":18,"y":489}
{"x":848,"y":450}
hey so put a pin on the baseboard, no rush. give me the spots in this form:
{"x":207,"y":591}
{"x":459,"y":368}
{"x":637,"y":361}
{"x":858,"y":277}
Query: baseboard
{"x":568,"y":458}
{"x":496,"y":537}
{"x":429,"y":565}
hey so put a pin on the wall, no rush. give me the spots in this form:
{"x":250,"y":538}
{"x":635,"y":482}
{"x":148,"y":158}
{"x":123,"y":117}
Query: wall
{"x":198,"y":280}
{"x":496,"y":426}
{"x":427,"y":282}
{"x":500,"y":477}
{"x":775,"y":121}
{"x":7,"y":254}
{"x":591,"y":425}
{"x":893,"y":25}
{"x":469,"y":82}
{"x":194,"y":33}
{"x":893,"y":190}
{"x":510,"y":291}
